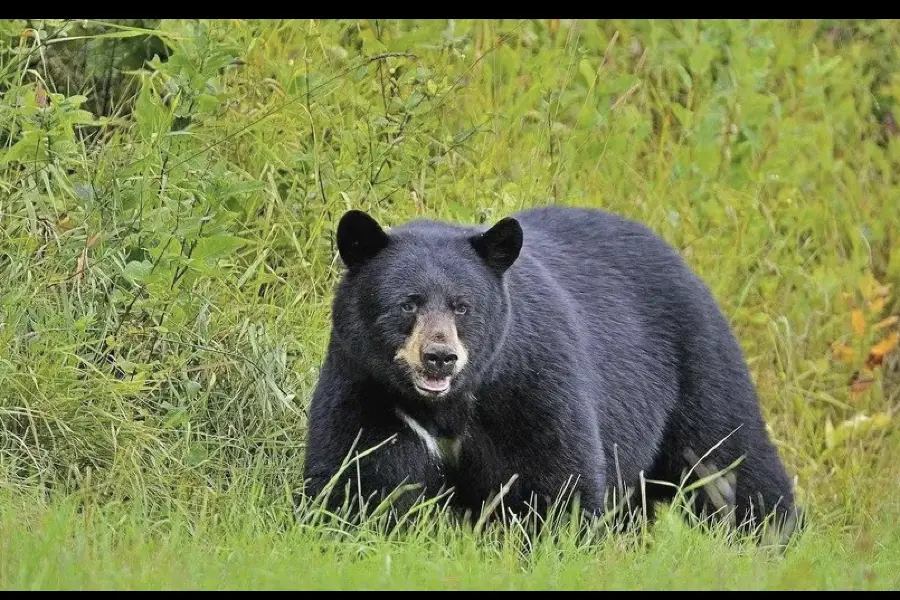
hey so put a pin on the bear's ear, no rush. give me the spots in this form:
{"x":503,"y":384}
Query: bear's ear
{"x":359,"y":238}
{"x":499,"y":246}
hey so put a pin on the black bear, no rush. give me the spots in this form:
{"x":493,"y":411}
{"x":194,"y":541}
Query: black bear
{"x":559,"y":349}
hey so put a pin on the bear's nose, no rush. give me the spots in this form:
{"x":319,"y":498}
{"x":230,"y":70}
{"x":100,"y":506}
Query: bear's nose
{"x":439,"y":359}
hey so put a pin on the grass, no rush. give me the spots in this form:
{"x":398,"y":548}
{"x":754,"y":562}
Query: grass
{"x":58,"y":546}
{"x":167,"y":264}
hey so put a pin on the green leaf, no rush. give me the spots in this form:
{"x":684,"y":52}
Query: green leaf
{"x":208,"y":103}
{"x":684,"y":116}
{"x":175,"y":418}
{"x":82,"y":117}
{"x":29,"y":148}
{"x":191,"y":388}
{"x":137,"y":271}
{"x":217,"y":246}
{"x":701,"y":57}
{"x":586,"y":71}
{"x":196,"y":455}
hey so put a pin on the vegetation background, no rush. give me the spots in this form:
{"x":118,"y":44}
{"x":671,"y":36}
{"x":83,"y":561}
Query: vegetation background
{"x":168,"y":196}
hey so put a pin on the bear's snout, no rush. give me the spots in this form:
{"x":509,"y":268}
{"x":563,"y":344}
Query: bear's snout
{"x":439,"y":359}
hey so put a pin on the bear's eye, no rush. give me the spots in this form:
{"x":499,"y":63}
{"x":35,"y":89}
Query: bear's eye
{"x":408,"y":306}
{"x":460,"y":308}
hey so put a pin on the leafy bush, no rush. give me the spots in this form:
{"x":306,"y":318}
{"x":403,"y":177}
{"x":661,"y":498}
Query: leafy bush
{"x":170,"y":190}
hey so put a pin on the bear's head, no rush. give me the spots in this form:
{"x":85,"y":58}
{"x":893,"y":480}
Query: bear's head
{"x":423,"y":308}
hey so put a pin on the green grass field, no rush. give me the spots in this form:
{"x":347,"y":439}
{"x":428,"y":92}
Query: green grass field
{"x":168,"y":195}
{"x":55,"y":547}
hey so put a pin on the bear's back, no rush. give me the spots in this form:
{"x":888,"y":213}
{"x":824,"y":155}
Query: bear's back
{"x":593,"y":238}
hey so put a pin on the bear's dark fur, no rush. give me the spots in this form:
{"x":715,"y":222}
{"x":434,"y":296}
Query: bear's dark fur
{"x":560,"y":347}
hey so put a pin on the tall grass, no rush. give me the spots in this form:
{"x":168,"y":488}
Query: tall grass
{"x":169,"y":191}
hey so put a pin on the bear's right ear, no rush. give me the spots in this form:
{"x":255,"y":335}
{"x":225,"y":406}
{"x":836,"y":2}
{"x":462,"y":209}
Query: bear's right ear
{"x":359,"y":238}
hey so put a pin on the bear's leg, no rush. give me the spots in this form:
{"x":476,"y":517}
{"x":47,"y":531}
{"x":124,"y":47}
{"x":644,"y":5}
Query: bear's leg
{"x":360,"y":453}
{"x":717,"y":423}
{"x":399,"y":470}
{"x":754,"y":490}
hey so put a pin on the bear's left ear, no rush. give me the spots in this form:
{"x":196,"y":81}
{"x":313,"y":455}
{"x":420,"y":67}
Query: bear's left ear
{"x":500,"y":245}
{"x":359,"y":238}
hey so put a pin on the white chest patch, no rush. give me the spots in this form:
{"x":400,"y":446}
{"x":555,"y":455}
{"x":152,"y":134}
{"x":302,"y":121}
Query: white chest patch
{"x":442,"y":449}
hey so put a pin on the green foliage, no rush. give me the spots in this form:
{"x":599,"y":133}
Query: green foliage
{"x":170,"y":190}
{"x":114,"y":546}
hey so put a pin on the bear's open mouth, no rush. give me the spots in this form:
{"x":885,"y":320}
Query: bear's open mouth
{"x":431,"y":385}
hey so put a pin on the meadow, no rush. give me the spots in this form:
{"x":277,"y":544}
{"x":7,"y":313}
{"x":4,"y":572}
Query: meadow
{"x":168,"y":197}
